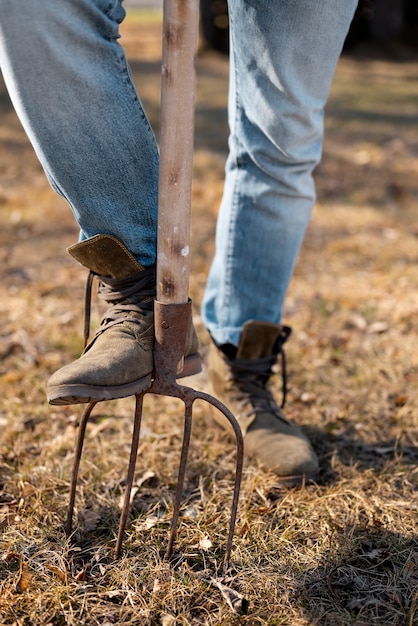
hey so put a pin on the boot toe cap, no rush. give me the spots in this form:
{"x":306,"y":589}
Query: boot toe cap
{"x":290,"y":456}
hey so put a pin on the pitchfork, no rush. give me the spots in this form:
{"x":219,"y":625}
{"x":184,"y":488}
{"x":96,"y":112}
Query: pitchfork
{"x":172,"y":307}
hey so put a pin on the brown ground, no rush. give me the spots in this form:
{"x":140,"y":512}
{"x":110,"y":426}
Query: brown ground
{"x":344,"y":551}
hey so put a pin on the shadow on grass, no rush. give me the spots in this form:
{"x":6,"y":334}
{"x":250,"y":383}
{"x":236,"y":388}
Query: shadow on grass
{"x":351,"y":451}
{"x":369,"y":579}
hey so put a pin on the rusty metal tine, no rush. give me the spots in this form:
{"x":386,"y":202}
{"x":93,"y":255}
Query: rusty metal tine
{"x":76,"y":465}
{"x":181,"y":475}
{"x":238,"y":467}
{"x":131,"y":472}
{"x":234,"y":510}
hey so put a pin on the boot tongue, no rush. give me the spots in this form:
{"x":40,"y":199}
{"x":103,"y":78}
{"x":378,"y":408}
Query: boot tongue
{"x":107,"y":256}
{"x":258,"y":340}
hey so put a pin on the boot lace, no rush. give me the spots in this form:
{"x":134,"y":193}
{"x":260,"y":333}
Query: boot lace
{"x":250,"y":378}
{"x":128,"y":298}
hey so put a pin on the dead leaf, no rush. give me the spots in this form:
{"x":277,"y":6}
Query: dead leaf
{"x":148,"y":477}
{"x":12,"y":556}
{"x":7,"y":498}
{"x":356,"y":322}
{"x":115,"y":593}
{"x":401,"y":400}
{"x":24,"y":578}
{"x":150,"y":522}
{"x":360,"y":603}
{"x":235,"y":600}
{"x":81,"y":575}
{"x":212,"y":519}
{"x":28,"y":490}
{"x":356,"y":604}
{"x":6,"y":515}
{"x":377,"y":328}
{"x":168,"y":620}
{"x":59,"y":573}
{"x":190,"y":512}
{"x":375,"y":553}
{"x":264,"y":510}
{"x":307,"y":398}
{"x":102,"y":569}
{"x":245,"y":530}
{"x":409,"y":568}
{"x":394,"y":597}
{"x":205,"y":543}
{"x":11,"y":377}
{"x":90,"y":519}
{"x":132,"y":495}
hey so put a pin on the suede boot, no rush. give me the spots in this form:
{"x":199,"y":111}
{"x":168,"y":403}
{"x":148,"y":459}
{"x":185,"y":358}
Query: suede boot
{"x":118,"y":361}
{"x":239,"y":378}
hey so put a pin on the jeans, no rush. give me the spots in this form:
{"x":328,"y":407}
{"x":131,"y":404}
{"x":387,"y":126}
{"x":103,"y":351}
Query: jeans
{"x":70,"y":84}
{"x":283,"y":57}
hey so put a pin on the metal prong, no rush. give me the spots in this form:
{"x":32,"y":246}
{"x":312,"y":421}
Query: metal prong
{"x":76,"y":465}
{"x":238,"y":467}
{"x":181,"y":475}
{"x":131,"y":472}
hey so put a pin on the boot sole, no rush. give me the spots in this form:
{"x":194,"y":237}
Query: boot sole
{"x":61,"y":395}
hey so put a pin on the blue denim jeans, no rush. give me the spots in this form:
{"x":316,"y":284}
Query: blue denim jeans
{"x":283,"y":57}
{"x":70,"y":84}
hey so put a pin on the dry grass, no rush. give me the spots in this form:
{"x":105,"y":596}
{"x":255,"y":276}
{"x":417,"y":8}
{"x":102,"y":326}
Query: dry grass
{"x":341,"y":552}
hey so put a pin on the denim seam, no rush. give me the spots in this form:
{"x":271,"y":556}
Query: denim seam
{"x":223,"y":316}
{"x":127,"y":77}
{"x":123,"y":65}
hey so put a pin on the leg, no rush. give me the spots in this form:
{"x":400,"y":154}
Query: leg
{"x":70,"y":84}
{"x":283,"y":56}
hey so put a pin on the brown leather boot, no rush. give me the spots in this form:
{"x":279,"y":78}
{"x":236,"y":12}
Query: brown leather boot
{"x":239,"y":377}
{"x":118,"y":361}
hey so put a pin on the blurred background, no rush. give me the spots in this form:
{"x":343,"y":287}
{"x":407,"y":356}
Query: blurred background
{"x":379,"y":21}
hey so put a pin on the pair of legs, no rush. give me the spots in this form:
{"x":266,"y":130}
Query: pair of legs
{"x":70,"y":83}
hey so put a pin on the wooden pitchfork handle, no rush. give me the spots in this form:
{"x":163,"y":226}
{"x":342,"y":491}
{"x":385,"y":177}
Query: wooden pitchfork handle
{"x":178,"y":87}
